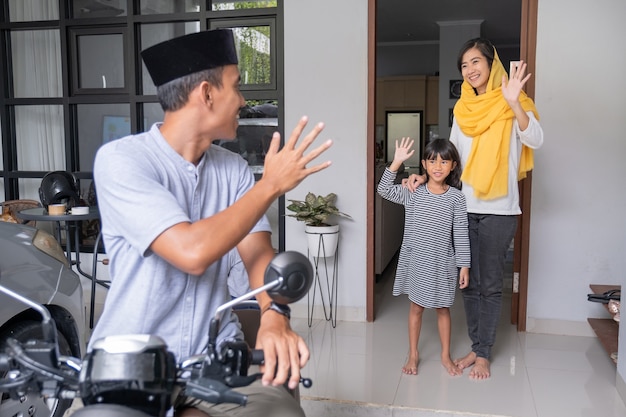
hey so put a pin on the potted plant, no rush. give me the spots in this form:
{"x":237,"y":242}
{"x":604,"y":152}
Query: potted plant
{"x":314,"y":211}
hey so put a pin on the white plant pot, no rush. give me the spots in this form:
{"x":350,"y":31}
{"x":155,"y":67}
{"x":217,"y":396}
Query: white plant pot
{"x":322,"y":240}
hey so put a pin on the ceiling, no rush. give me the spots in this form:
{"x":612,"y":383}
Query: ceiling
{"x":400,"y":21}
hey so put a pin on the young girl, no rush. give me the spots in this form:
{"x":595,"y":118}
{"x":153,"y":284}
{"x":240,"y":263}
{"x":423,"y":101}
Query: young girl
{"x":435,"y":242}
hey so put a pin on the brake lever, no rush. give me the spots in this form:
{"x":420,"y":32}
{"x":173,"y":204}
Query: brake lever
{"x":241,"y":380}
{"x":214,"y":391}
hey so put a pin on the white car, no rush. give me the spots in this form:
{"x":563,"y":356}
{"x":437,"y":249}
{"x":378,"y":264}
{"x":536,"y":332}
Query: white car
{"x":33,"y":264}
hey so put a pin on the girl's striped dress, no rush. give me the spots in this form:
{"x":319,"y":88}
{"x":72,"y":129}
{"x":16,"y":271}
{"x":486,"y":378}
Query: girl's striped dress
{"x":434,"y":245}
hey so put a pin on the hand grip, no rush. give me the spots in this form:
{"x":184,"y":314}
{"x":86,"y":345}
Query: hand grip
{"x":257,"y":357}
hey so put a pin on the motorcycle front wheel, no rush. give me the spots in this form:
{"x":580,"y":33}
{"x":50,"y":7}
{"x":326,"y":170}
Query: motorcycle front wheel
{"x":33,"y":405}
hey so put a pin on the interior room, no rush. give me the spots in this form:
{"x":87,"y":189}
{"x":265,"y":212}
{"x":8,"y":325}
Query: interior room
{"x":549,"y":360}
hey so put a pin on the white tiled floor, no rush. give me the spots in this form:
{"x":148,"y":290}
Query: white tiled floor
{"x":533,"y":375}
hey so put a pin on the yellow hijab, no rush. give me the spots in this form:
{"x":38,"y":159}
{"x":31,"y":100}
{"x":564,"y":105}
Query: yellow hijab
{"x":488,"y":119}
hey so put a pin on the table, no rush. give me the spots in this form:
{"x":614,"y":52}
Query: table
{"x":71,"y":221}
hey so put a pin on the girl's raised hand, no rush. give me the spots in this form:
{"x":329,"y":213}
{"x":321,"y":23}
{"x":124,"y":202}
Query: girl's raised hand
{"x":403,"y":150}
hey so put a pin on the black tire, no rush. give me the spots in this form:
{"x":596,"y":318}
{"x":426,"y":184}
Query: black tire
{"x":32,"y":406}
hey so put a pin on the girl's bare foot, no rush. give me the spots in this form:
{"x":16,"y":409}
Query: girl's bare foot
{"x":466,"y":361}
{"x":410,"y":367}
{"x":452,"y":369}
{"x":481,"y":369}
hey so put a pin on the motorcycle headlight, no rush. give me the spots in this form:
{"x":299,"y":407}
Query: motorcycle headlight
{"x":136,"y":371}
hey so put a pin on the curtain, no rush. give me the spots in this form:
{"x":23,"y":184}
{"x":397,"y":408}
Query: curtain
{"x":36,"y":56}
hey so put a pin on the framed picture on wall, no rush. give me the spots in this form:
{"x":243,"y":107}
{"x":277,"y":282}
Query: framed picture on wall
{"x":115,"y":127}
{"x":455,"y":88}
{"x":403,"y":124}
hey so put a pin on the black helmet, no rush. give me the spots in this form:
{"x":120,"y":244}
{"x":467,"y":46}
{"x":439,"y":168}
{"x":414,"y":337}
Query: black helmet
{"x":59,"y":187}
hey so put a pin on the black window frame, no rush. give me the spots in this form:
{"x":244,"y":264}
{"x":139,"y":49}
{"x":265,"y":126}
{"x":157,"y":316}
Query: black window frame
{"x":74,"y":33}
{"x":128,"y":25}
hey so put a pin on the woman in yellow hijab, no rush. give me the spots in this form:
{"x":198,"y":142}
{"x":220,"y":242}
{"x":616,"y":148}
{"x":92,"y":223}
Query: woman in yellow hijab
{"x":495,"y":129}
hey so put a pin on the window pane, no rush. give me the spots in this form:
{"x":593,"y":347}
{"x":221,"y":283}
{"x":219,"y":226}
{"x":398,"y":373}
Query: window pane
{"x":151,"y":34}
{"x":97,"y":69}
{"x":40,"y":138}
{"x":36,"y":56}
{"x":98,"y":8}
{"x":33,"y":10}
{"x":169,"y":6}
{"x":98,"y":124}
{"x":218,"y":5}
{"x":152,"y":113}
{"x":29,"y":189}
{"x":253,"y":49}
{"x":258,"y":121}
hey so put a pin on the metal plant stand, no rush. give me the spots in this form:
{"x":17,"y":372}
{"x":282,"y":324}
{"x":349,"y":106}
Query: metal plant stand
{"x":325,"y":281}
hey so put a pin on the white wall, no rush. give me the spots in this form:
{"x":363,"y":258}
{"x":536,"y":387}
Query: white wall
{"x":578,"y":227}
{"x":326,"y":79}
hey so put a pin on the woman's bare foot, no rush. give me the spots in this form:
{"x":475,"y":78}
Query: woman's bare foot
{"x":481,"y":369}
{"x":450,"y":366}
{"x":466,"y":361}
{"x":410,"y":367}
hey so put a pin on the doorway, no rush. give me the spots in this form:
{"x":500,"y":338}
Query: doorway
{"x":527,"y":48}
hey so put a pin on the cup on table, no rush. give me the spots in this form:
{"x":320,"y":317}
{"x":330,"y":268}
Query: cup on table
{"x":79,"y":210}
{"x":56,"y":209}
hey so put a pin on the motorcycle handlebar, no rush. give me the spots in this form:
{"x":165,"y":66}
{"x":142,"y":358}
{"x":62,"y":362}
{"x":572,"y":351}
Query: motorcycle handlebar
{"x":257,"y":357}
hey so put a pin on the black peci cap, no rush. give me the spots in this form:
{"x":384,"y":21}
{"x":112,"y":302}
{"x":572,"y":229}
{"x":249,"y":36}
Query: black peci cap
{"x":175,"y":58}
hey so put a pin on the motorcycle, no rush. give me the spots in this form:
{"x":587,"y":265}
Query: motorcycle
{"x":136,"y":375}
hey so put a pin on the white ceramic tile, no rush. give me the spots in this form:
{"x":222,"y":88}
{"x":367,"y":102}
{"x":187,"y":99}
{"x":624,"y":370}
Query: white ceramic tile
{"x":572,"y":393}
{"x":352,"y":377}
{"x":574,"y":353}
{"x":433,"y":388}
{"x":508,"y":350}
{"x":558,"y":342}
{"x":316,"y":407}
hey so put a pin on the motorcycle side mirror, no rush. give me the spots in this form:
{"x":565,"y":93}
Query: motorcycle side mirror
{"x":288,"y":278}
{"x":292,"y":275}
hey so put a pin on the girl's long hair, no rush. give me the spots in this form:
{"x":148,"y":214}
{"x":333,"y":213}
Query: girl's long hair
{"x":447,"y":151}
